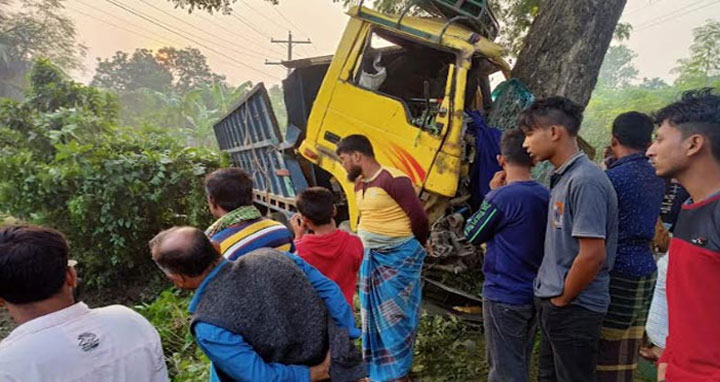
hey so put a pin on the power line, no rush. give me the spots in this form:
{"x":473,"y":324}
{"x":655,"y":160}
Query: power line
{"x":231,"y":43}
{"x":290,"y":42}
{"x":232,"y":32}
{"x":650,"y":4}
{"x":258,"y":31}
{"x":673,"y":15}
{"x":139,"y":14}
{"x":287,"y":20}
{"x":174,"y":29}
{"x":117,"y":26}
{"x":161,"y":40}
{"x":262,"y":14}
{"x":115,"y":17}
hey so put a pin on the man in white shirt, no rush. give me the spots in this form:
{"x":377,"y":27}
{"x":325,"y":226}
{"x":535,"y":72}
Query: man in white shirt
{"x":58,"y":339}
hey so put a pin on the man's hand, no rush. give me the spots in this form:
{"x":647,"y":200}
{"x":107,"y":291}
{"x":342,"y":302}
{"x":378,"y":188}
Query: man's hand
{"x":298,"y":227}
{"x":559,"y":301}
{"x":662,"y":369}
{"x":321,"y":372}
{"x":499,"y":180}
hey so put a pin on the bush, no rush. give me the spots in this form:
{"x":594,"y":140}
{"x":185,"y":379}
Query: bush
{"x":168,"y":313}
{"x":447,"y":349}
{"x":65,"y":163}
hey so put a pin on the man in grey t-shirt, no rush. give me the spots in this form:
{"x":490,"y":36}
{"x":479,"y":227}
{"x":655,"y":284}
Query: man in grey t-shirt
{"x":572,"y":286}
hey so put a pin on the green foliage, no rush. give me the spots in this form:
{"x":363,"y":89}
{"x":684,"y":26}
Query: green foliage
{"x":124,"y":72}
{"x":617,"y":69}
{"x":516,"y":16}
{"x":703,"y":65}
{"x":448,"y":350}
{"x":169,"y":315}
{"x":278,"y":104}
{"x":168,"y":70}
{"x":37,"y":29}
{"x":606,"y":104}
{"x":65,"y":163}
{"x":210,"y":6}
{"x":40,"y":29}
{"x":173,"y":89}
{"x":189,"y":116}
{"x":188,"y":67}
{"x":615,"y":92}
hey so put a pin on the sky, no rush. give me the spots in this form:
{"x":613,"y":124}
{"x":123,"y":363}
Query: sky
{"x":238,"y":45}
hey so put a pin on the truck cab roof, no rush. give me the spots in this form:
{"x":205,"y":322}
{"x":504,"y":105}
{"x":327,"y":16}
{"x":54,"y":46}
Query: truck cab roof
{"x":434,"y":30}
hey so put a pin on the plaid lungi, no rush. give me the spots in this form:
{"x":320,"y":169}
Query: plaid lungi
{"x":390,"y":296}
{"x":624,"y":326}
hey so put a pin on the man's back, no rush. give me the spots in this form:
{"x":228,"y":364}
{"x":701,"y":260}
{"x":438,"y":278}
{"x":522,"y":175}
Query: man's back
{"x":249,"y":235}
{"x":337,"y":255}
{"x":79,"y":344}
{"x":265,"y":297}
{"x":640,"y":193}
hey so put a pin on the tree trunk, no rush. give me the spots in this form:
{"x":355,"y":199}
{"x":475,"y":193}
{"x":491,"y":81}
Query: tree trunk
{"x":565,"y":47}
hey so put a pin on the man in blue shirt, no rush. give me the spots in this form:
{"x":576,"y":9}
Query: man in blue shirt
{"x":640,"y":195}
{"x":512,"y":221}
{"x":262,"y":317}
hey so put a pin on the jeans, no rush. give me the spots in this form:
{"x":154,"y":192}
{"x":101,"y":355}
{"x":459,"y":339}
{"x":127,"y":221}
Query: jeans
{"x":509,"y":337}
{"x":569,"y":345}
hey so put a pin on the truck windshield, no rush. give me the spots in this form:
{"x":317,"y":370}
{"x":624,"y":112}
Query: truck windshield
{"x":401,"y":68}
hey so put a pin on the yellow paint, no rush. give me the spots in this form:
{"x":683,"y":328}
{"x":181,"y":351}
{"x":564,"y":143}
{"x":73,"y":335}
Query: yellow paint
{"x":342,"y":108}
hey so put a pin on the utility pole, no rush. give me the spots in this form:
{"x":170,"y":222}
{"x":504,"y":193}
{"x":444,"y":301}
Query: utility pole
{"x":290,"y":42}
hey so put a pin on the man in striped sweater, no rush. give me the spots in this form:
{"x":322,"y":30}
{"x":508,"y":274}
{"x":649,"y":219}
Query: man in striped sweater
{"x":240,"y":227}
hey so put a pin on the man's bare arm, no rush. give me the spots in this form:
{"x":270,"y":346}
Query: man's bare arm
{"x":586,"y":266}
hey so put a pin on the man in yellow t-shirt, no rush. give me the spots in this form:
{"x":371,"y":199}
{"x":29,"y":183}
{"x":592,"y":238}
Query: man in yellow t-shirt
{"x":393,"y":228}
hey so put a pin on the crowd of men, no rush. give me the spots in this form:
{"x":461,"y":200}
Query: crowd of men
{"x":575,"y":261}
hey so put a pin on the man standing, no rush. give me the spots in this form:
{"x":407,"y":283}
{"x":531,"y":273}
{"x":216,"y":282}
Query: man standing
{"x":393,"y":228}
{"x":572,"y":286}
{"x":640,"y":194}
{"x":687,"y":148}
{"x":512,"y":221}
{"x":60,"y":339}
{"x":240,"y":228}
{"x":263,"y":317}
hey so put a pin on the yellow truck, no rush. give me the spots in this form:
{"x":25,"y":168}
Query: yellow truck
{"x":403,"y":81}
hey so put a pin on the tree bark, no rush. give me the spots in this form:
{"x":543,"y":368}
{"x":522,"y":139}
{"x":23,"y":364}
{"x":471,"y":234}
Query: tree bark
{"x":565,"y":47}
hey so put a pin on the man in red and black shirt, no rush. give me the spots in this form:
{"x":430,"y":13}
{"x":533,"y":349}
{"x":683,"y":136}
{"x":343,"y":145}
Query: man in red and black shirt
{"x":687,"y":148}
{"x":393,"y":228}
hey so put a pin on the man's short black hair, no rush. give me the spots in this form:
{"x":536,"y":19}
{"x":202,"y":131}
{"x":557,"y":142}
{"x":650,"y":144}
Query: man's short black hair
{"x":633,"y":130}
{"x":191,"y":260}
{"x":33,"y":263}
{"x":697,"y":112}
{"x":552,"y":111}
{"x":355,"y":143}
{"x":511,"y":147}
{"x":230,"y":188}
{"x":316,"y":204}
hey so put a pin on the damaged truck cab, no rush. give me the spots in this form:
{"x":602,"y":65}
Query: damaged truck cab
{"x":404,"y":82}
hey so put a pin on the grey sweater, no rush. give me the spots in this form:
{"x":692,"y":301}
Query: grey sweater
{"x":264,"y":297}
